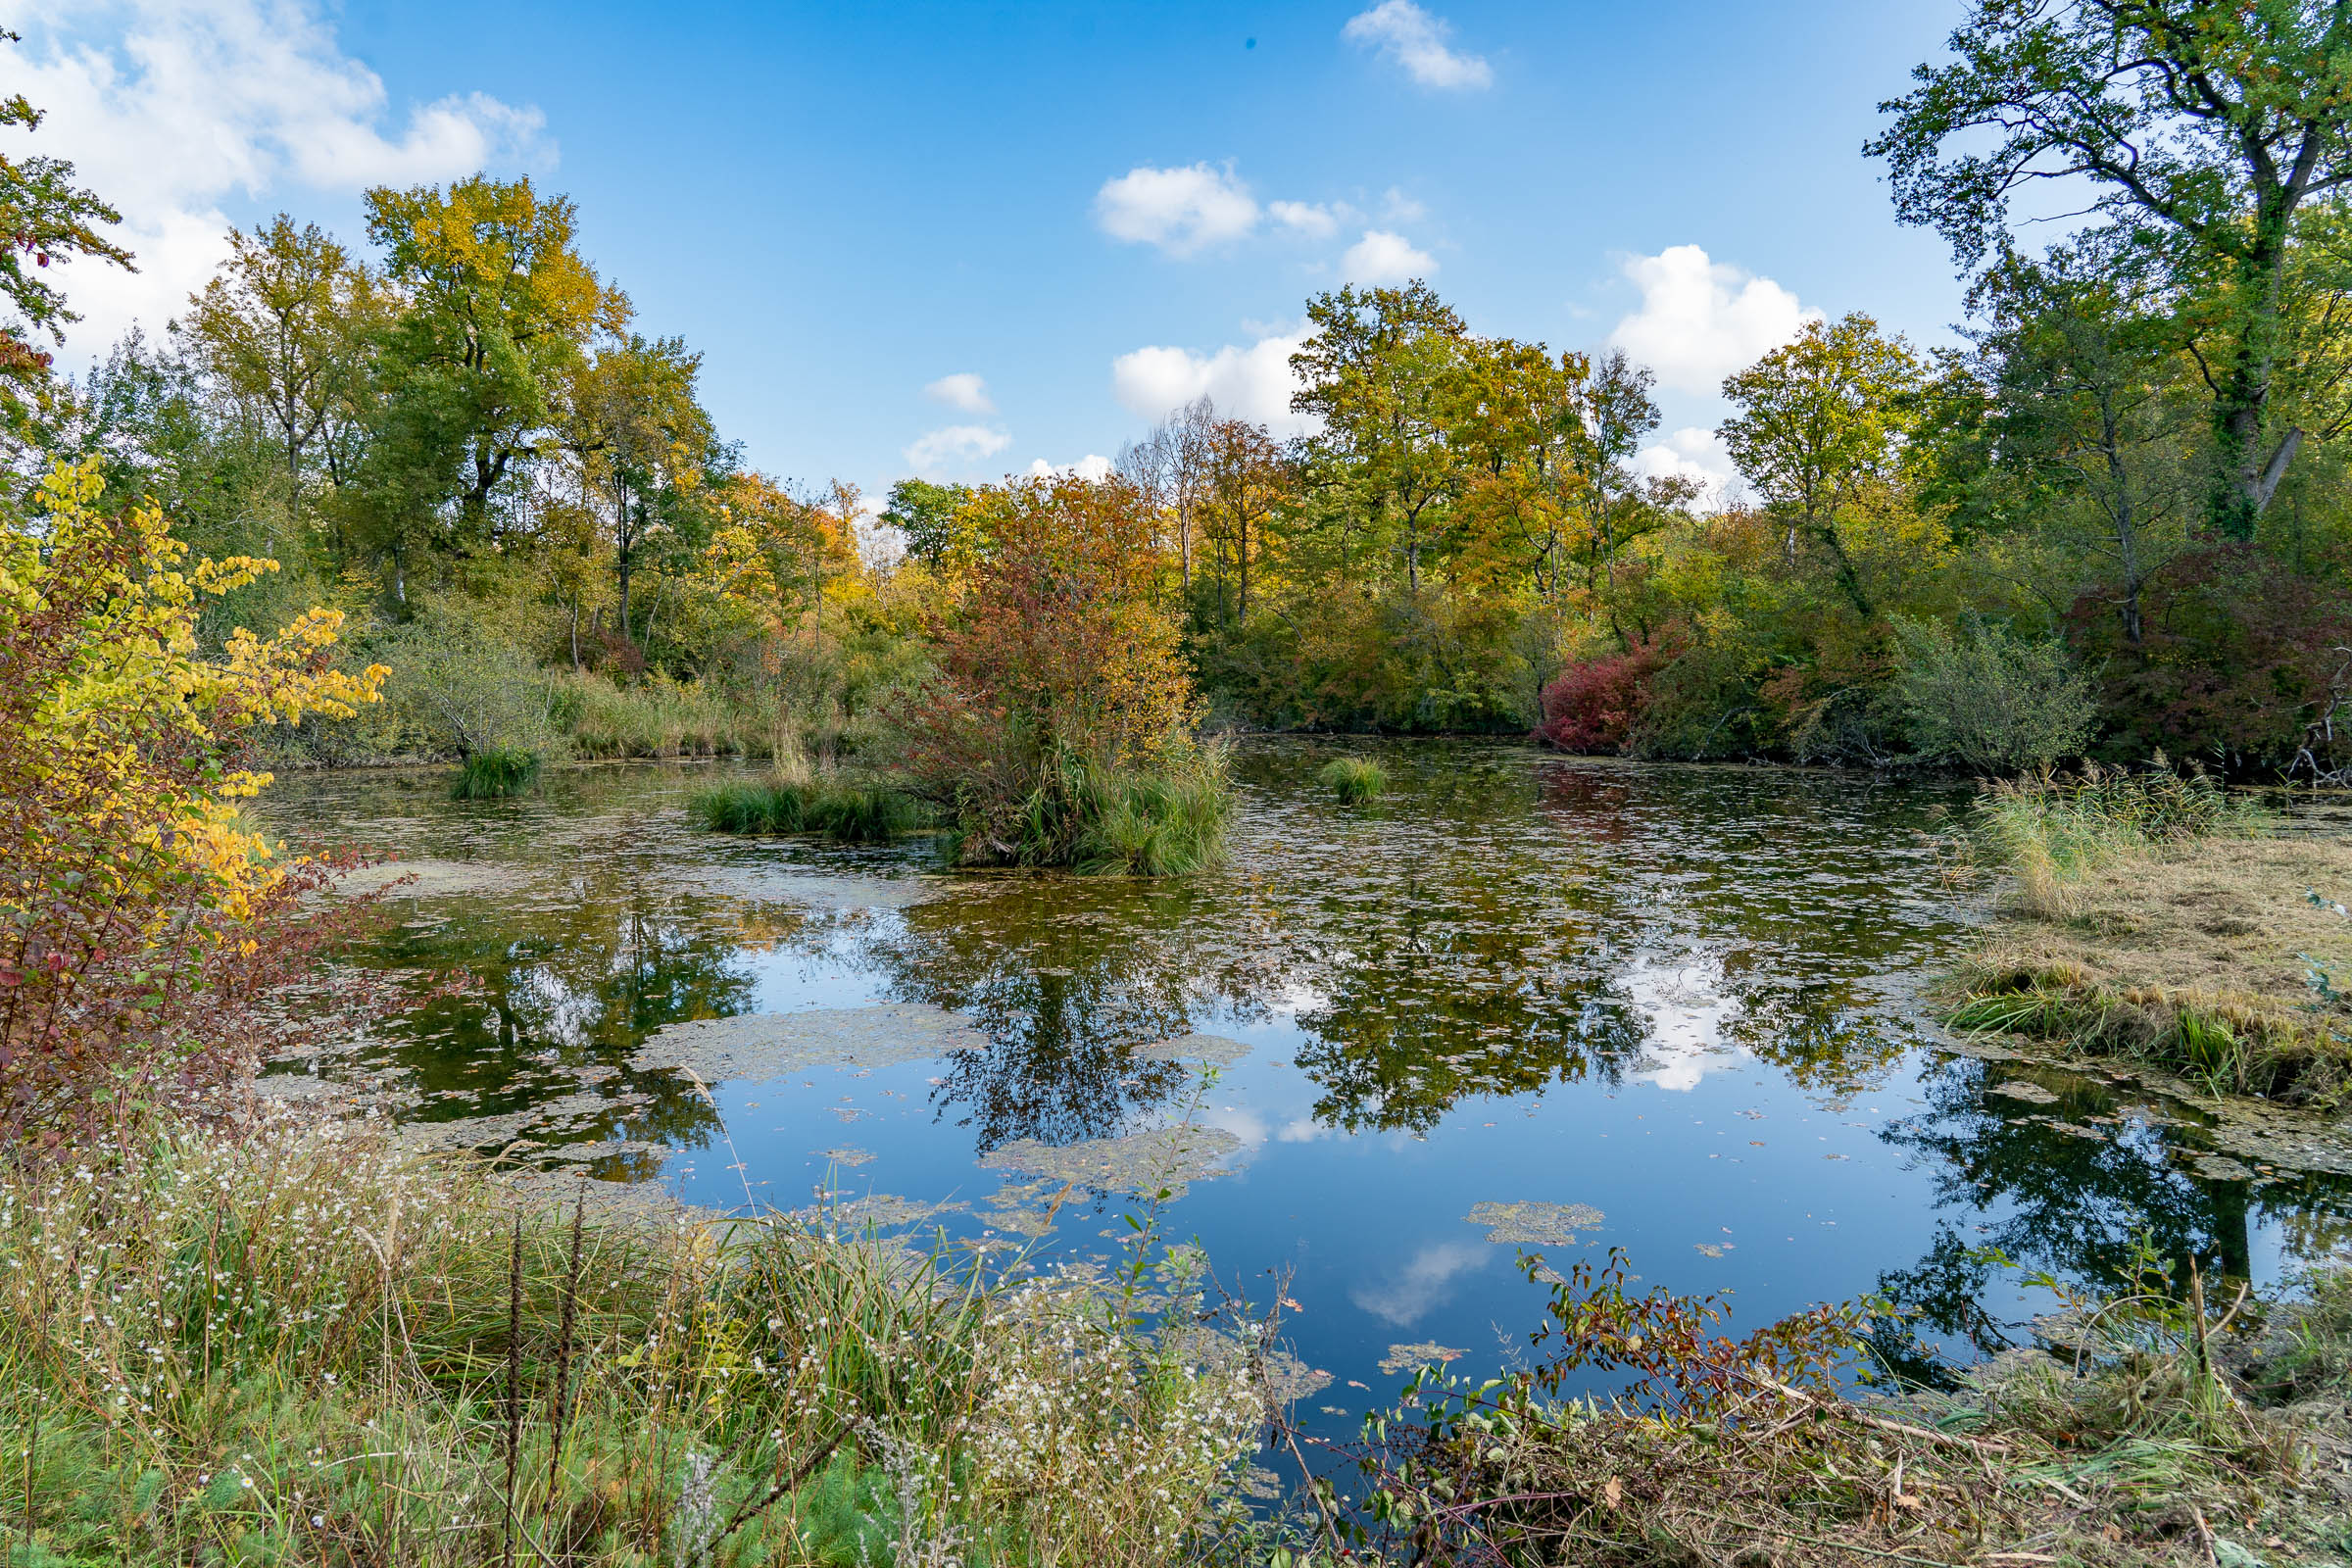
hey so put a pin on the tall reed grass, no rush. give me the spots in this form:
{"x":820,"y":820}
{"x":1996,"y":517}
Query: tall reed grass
{"x":306,"y":1348}
{"x":2050,"y":829}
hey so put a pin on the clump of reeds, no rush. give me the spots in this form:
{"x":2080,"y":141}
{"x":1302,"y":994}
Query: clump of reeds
{"x":850,"y":813}
{"x":2051,"y":829}
{"x":306,"y":1347}
{"x":495,"y":776}
{"x":1356,"y":780}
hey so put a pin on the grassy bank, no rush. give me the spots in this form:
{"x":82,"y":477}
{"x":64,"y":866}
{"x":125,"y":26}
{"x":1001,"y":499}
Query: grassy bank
{"x":303,"y":1348}
{"x":2153,"y":918}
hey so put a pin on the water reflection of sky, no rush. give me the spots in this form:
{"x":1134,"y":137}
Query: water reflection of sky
{"x":1685,"y":997}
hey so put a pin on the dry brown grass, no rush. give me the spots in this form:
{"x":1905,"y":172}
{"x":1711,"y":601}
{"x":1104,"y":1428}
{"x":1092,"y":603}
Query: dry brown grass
{"x":2198,"y":959}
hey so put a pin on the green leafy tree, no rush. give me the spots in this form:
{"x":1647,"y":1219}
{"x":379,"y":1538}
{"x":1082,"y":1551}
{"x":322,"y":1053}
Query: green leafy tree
{"x":644,"y":445}
{"x":498,"y":309}
{"x":2200,"y":127}
{"x":1375,"y":372}
{"x":930,"y":515}
{"x":1820,"y":426}
{"x":44,"y":217}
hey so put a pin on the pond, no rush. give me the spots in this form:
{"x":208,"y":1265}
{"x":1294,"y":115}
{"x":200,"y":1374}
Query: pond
{"x":1525,"y":1002}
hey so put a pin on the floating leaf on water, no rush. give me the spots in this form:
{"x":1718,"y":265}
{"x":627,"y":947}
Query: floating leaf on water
{"x":759,"y":1045}
{"x":1213,"y":1049}
{"x":845,"y":1156}
{"x":1139,"y":1164}
{"x":1535,"y":1224}
{"x":1404,"y":1358}
{"x":2023,"y":1089}
{"x":1711,"y":1248}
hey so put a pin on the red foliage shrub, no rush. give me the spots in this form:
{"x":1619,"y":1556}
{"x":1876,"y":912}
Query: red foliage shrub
{"x":2234,"y":658}
{"x":1594,"y":706}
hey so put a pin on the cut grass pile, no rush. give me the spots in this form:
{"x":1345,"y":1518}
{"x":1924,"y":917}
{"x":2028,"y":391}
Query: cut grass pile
{"x":2157,"y":922}
{"x":2149,"y":1426}
{"x":1354,"y":780}
{"x":306,"y":1348}
{"x":850,"y":813}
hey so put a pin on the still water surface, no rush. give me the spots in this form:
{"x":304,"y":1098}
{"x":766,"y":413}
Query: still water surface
{"x":1686,"y":998}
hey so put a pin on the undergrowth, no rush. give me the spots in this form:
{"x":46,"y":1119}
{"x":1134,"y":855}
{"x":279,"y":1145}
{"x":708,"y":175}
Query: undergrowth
{"x":306,"y":1348}
{"x":1101,"y":820}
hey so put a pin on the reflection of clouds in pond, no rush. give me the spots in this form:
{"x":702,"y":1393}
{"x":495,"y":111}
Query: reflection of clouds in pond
{"x":1425,"y":1281}
{"x":561,"y":1014}
{"x":1687,"y":1016}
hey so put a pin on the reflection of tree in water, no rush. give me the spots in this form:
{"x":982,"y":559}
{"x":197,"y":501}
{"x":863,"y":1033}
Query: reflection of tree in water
{"x":1065,"y":979}
{"x":2074,"y":1205}
{"x":551,"y":990}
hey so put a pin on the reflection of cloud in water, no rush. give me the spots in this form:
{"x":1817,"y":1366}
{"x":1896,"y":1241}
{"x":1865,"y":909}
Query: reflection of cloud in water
{"x":1425,"y":1281}
{"x":1686,"y":1017}
{"x":1301,"y":1130}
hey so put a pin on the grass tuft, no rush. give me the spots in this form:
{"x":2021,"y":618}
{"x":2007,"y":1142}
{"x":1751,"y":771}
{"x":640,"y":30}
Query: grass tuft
{"x":1356,"y":780}
{"x":495,"y":776}
{"x":2052,"y":829}
{"x":850,"y":814}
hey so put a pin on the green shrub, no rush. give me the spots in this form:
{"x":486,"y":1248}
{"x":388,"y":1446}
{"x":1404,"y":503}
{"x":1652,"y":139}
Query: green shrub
{"x":852,"y":813}
{"x":1980,"y":696}
{"x":1353,"y":779}
{"x":458,"y":687}
{"x":495,"y":776}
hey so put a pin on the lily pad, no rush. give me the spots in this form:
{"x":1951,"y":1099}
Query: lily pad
{"x":769,"y":1044}
{"x":1535,"y":1224}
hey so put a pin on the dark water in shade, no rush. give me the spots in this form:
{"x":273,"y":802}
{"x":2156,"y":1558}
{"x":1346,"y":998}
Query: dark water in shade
{"x":1686,"y":997}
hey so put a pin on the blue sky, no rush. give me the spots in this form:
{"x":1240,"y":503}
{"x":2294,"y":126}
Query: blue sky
{"x":1057,"y":217}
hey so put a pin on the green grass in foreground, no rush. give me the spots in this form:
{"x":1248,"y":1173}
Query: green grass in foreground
{"x":852,"y":813}
{"x":309,"y":1349}
{"x":1356,"y":780}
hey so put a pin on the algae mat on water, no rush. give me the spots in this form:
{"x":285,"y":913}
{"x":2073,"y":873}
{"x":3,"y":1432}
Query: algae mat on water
{"x":769,"y":1044}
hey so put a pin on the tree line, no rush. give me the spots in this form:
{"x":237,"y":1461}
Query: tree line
{"x":2107,"y":520}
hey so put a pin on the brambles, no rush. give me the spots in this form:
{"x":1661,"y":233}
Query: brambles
{"x":1356,"y":780}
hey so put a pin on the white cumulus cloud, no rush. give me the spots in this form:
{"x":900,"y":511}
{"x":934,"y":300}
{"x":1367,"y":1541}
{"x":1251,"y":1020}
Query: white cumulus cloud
{"x":961,"y":390}
{"x":167,"y":107}
{"x":1252,"y":383}
{"x":955,"y":446}
{"x":1417,"y":40}
{"x":1700,"y":319}
{"x":1692,"y":453}
{"x":1182,"y":210}
{"x":1094,"y":468}
{"x":1384,"y":256}
{"x":1314,"y":219}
